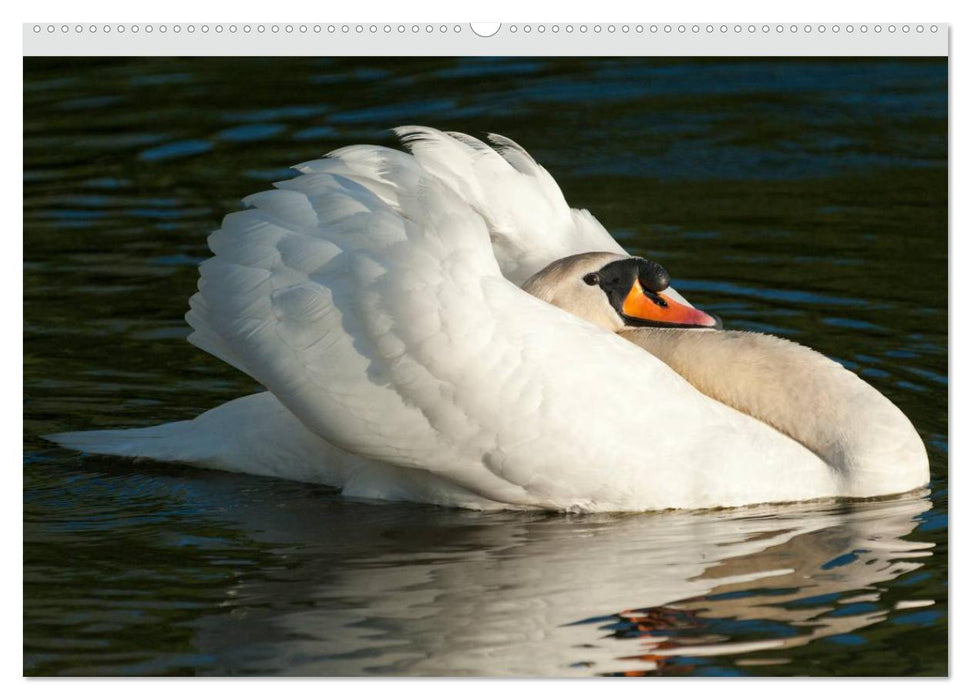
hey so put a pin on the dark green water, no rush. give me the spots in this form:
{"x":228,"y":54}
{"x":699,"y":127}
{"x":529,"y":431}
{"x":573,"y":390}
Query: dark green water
{"x":805,"y":198}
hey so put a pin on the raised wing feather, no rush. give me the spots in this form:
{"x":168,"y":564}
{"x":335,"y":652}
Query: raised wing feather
{"x":529,"y":221}
{"x":530,"y":224}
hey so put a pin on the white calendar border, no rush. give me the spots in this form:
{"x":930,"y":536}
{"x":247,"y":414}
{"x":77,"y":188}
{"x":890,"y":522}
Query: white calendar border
{"x":484,"y":39}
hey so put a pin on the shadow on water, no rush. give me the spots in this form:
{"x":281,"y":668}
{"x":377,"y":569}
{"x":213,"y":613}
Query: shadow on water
{"x":804,"y":198}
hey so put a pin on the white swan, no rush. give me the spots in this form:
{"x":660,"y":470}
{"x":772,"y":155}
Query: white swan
{"x":376,"y":296}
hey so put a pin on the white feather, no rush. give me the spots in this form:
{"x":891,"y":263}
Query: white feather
{"x":376,"y":297}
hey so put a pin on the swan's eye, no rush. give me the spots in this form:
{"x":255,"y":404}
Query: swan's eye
{"x":592,"y":279}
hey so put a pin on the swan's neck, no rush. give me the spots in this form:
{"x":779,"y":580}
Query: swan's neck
{"x":798,"y":391}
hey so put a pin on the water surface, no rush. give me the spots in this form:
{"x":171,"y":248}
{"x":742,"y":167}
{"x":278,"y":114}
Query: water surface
{"x":804,"y":198}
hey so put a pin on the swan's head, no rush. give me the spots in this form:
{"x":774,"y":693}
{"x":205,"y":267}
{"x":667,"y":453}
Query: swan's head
{"x":614,"y":292}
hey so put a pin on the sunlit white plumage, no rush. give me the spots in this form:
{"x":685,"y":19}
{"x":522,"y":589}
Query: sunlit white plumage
{"x":376,"y":297}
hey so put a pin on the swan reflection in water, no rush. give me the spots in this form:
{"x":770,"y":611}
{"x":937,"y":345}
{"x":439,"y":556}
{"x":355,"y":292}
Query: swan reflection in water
{"x":423,"y":591}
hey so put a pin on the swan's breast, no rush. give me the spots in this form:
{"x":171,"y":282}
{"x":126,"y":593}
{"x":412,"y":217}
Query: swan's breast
{"x":858,"y":432}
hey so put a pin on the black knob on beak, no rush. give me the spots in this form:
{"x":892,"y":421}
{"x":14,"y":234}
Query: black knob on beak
{"x":652,"y":276}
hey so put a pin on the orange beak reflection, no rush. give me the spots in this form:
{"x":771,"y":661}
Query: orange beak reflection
{"x":659,"y":310}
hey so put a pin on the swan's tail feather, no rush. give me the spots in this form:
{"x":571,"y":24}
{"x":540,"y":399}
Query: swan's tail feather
{"x":254,"y":434}
{"x":240,"y":432}
{"x":257,"y":435}
{"x":169,"y":442}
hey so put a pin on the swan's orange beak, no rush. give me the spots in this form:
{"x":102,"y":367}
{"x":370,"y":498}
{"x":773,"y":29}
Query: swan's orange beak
{"x":661,"y":310}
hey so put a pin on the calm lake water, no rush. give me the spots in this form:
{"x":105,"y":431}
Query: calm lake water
{"x":804,"y":198}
